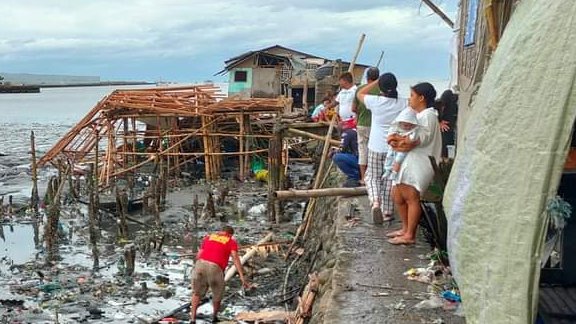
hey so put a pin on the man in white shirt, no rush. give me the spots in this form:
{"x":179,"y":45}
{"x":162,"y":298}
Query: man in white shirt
{"x":345,"y":97}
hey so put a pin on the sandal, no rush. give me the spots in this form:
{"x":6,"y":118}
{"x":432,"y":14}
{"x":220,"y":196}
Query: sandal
{"x":399,"y":240}
{"x":388,"y":218}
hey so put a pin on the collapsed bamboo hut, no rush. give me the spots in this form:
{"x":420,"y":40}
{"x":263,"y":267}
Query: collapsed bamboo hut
{"x":129,"y":129}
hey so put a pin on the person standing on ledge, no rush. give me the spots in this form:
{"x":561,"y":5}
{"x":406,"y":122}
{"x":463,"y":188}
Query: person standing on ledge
{"x":364,"y":119}
{"x":211,"y":262}
{"x":345,"y":97}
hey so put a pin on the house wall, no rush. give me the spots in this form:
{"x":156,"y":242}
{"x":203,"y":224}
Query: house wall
{"x":473,"y":59}
{"x":242,"y":89}
{"x":265,"y":82}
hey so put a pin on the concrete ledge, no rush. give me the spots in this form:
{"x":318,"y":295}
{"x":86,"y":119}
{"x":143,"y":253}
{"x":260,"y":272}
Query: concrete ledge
{"x":362,"y":258}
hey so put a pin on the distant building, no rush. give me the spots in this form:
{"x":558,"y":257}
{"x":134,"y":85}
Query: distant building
{"x":278,"y":70}
{"x":46,"y":79}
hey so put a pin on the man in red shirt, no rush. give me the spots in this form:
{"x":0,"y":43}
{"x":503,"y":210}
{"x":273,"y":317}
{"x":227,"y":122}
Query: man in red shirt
{"x":209,"y":269}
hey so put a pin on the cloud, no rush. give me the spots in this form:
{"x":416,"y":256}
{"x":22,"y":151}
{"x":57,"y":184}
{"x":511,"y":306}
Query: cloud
{"x":59,"y":31}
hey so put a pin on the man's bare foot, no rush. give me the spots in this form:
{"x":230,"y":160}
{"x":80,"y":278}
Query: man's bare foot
{"x":401,"y":240}
{"x":395,"y":233}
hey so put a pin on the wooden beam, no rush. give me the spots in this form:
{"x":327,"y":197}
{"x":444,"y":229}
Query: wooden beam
{"x":313,"y":136}
{"x":439,"y":12}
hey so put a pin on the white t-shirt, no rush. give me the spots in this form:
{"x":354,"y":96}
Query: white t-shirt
{"x":384,"y":111}
{"x":345,"y":98}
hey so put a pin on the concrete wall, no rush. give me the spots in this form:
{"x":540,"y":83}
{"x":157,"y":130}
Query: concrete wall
{"x":265,"y":82}
{"x":46,"y":79}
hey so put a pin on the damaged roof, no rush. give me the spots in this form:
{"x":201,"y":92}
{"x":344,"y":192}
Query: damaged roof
{"x":237,"y":60}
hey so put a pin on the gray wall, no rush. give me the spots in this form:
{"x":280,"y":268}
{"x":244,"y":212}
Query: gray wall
{"x":46,"y":79}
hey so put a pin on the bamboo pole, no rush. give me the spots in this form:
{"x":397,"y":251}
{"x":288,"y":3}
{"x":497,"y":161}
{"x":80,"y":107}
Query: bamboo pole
{"x":324,"y":192}
{"x":232,"y":270}
{"x":439,"y":12}
{"x":34,"y":199}
{"x":358,"y":49}
{"x":380,"y":59}
{"x":308,"y":213}
{"x":207,"y":157}
{"x":492,"y":24}
{"x":241,"y":147}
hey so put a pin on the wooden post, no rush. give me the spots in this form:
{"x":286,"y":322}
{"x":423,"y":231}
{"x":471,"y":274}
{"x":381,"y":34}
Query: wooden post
{"x":380,"y":59}
{"x":130,"y":259}
{"x":122,"y":210}
{"x":358,"y":49}
{"x":207,"y":156}
{"x":305,"y":93}
{"x":274,"y":167}
{"x":247,"y":144}
{"x":155,"y":201}
{"x":439,"y":12}
{"x":241,"y":159}
{"x":93,"y":217}
{"x":96,"y":191}
{"x":10,"y":206}
{"x":34,"y":199}
{"x":51,"y":227}
{"x":210,"y":209}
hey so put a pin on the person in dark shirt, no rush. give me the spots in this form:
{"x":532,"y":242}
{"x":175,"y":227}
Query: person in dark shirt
{"x":346,"y":157}
{"x":448,"y":114}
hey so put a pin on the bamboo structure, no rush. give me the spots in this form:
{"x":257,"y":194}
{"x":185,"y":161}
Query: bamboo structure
{"x":179,"y":125}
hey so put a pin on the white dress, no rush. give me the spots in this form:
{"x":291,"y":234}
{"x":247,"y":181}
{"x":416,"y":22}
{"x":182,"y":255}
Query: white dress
{"x":416,"y":170}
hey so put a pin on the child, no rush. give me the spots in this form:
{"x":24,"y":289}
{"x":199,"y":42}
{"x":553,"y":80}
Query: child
{"x":405,"y":125}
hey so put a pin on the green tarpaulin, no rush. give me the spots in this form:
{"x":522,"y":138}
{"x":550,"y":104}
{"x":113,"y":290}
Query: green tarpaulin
{"x":510,"y":162}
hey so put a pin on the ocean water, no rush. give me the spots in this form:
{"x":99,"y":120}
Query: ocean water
{"x":50,"y":114}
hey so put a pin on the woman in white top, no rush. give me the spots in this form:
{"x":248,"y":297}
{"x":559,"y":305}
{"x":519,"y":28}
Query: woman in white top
{"x":416,"y":172}
{"x":385,"y":107}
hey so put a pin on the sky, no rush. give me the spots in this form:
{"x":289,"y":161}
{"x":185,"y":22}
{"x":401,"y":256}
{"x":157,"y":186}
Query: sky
{"x":189,"y":40}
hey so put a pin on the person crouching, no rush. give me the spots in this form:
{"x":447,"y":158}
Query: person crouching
{"x":211,"y":262}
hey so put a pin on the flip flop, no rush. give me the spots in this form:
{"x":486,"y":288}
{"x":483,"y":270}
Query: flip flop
{"x":401,"y":241}
{"x":395,"y":233}
{"x":377,"y":215}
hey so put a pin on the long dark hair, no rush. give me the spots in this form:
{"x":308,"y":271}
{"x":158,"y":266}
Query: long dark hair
{"x":426,"y":90}
{"x":387,"y":83}
{"x":449,"y":101}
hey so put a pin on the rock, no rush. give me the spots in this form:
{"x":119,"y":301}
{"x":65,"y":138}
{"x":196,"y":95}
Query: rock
{"x":324,"y":276}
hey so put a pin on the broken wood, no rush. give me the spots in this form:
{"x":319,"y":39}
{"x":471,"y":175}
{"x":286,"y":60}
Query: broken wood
{"x":312,"y":135}
{"x":232,"y":270}
{"x":304,"y":309}
{"x":323,"y":192}
{"x":264,"y":316}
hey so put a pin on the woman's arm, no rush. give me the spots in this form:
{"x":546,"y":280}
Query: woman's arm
{"x":427,"y":129}
{"x":361,"y":94}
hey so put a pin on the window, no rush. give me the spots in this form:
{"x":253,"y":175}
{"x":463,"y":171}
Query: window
{"x":240,"y":76}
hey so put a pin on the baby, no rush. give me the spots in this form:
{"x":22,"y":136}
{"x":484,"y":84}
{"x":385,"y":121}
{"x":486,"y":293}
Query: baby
{"x":405,"y":125}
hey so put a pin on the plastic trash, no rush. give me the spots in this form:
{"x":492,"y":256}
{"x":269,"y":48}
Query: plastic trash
{"x":433,"y":302}
{"x":451,"y":296}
